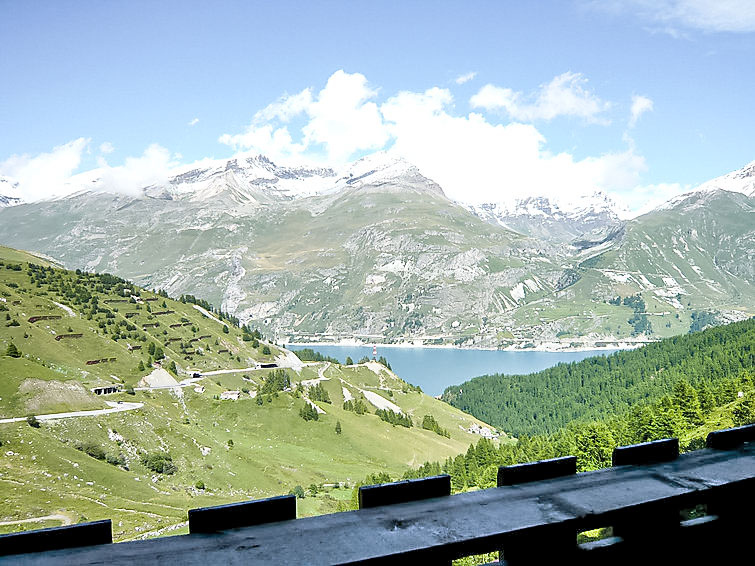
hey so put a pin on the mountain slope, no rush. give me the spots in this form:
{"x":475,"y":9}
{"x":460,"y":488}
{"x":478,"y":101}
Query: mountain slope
{"x":376,"y":251}
{"x":604,"y":386}
{"x":252,"y":444}
{"x":385,"y":255}
{"x":546,"y":219}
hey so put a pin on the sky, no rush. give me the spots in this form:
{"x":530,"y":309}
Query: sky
{"x":642,"y":99}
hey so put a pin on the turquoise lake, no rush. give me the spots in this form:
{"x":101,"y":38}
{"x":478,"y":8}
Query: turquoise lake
{"x":434,"y":369}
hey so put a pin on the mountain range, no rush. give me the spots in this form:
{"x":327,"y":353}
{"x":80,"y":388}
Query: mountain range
{"x":377,"y":252}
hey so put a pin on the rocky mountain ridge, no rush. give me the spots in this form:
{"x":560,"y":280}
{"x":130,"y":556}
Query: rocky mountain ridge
{"x":377,"y":252}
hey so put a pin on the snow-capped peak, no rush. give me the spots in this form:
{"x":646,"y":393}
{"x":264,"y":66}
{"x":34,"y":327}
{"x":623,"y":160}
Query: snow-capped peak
{"x":573,"y":207}
{"x":739,"y":181}
{"x":9,"y":192}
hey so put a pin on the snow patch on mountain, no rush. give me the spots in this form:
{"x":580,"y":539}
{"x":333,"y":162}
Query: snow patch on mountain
{"x":561,"y":220}
{"x":9,"y":192}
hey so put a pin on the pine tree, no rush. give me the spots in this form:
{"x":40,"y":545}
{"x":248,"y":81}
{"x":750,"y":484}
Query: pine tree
{"x":12,"y":351}
{"x":744,"y":413}
{"x":338,"y":427}
{"x":705,"y":396}
{"x":685,"y":397}
{"x":595,"y":445}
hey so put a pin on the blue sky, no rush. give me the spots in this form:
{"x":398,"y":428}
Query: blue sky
{"x":547,"y":101}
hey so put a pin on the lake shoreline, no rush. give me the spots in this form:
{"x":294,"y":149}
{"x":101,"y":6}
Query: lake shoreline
{"x":436,"y":367}
{"x":548,"y":347}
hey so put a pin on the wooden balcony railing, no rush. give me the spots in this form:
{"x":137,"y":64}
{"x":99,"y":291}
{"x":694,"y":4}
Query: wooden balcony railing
{"x":662,"y":508}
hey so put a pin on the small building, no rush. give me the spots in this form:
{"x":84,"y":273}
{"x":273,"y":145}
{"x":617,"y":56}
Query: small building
{"x":230,"y":395}
{"x":483,"y":431}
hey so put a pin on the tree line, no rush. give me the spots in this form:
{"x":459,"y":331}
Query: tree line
{"x":597,"y":387}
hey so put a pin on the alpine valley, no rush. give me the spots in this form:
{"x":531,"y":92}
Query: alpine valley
{"x":376,"y":252}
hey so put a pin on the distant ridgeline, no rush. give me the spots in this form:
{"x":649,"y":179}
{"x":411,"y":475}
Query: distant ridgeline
{"x":599,"y":387}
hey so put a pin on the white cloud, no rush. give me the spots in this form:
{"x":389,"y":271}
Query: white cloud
{"x":477,"y":161}
{"x":54,"y":174}
{"x":466,"y":77}
{"x":46,"y":174}
{"x":644,"y":198}
{"x":640,"y":105}
{"x":706,"y":15}
{"x":268,"y":140}
{"x":565,"y":95}
{"x":107,"y":147}
{"x":344,"y":119}
{"x":341,"y":121}
{"x":286,"y":107}
{"x":152,"y":167}
{"x":194,"y":121}
{"x":472,"y":158}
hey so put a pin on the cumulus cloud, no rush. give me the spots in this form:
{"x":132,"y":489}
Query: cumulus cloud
{"x":640,"y":105}
{"x":106,"y":148}
{"x":344,"y":119}
{"x":736,"y":16}
{"x":473,"y":158}
{"x":194,"y":122}
{"x":46,"y":174}
{"x":466,"y":77}
{"x":565,"y":95}
{"x":152,"y":167}
{"x":341,"y":121}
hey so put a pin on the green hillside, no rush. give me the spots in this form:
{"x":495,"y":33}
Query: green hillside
{"x":687,"y":413}
{"x":179,"y":443}
{"x":597,"y":387}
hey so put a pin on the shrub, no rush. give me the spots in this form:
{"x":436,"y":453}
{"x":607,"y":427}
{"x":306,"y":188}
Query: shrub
{"x":92,"y":449}
{"x":394,"y":418}
{"x":429,"y":423}
{"x":116,"y":460}
{"x":32,"y":421}
{"x":199,"y":484}
{"x":159,"y":462}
